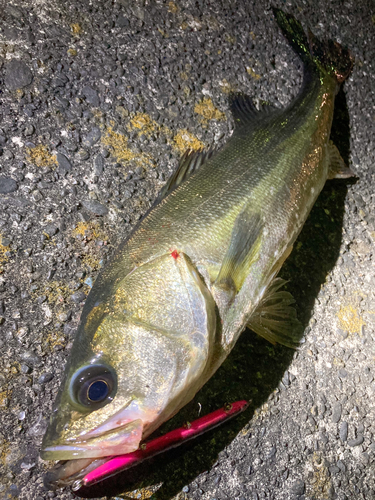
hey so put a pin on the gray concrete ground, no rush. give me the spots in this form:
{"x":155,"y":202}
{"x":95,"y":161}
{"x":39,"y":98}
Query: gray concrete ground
{"x":97,"y":102}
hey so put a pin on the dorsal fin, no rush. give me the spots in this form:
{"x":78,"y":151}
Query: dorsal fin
{"x":244,"y":111}
{"x":190,"y":162}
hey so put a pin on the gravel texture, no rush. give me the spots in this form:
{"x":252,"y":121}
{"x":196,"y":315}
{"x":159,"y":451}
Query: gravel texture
{"x":98,"y":100}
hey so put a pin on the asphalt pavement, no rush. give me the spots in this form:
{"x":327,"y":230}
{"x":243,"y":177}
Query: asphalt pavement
{"x":98,"y":100}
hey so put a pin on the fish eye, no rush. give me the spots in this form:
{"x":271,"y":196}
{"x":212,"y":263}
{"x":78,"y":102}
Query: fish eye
{"x":93,"y":386}
{"x":98,"y":390}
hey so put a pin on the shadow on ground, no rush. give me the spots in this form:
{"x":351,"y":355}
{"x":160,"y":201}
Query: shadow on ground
{"x":254,"y":368}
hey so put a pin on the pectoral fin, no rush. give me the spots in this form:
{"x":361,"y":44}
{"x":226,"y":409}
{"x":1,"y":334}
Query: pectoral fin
{"x":337,"y":166}
{"x":242,"y":251}
{"x":274,"y":319}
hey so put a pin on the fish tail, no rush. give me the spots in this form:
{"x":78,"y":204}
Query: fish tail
{"x":326,"y":56}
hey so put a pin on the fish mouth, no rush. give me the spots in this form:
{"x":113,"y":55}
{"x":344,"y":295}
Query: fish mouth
{"x":81,"y":456}
{"x":122,"y":439}
{"x":65,"y":473}
{"x":78,"y":455}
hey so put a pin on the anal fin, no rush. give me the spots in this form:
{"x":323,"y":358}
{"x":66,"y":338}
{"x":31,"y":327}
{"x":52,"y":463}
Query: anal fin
{"x":337,"y":167}
{"x":274,"y":319}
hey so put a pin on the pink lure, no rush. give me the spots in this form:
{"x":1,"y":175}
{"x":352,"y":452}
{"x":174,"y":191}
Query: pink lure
{"x":163,"y":443}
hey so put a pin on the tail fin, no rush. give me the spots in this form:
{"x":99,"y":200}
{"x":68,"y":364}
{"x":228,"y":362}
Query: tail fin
{"x":329,"y":57}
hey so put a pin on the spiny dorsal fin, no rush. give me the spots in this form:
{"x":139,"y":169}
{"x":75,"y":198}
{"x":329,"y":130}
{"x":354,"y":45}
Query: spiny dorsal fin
{"x":274,"y":319}
{"x":190,"y":162}
{"x":244,"y":110}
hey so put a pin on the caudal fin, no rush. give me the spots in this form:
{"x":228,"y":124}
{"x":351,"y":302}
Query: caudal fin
{"x":328,"y":56}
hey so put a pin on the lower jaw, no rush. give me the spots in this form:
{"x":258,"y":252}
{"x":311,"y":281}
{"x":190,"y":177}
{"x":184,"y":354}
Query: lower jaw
{"x":64,"y":473}
{"x":76,"y":461}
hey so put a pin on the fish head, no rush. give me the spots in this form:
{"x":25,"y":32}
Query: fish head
{"x":139,"y":355}
{"x":107,"y":403}
{"x":92,"y":418}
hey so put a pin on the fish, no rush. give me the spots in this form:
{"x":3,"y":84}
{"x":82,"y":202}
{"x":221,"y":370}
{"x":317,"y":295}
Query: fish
{"x":199,"y":268}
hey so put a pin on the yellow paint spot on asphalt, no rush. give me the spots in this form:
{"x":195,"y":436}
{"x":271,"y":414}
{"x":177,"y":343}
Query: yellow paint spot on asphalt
{"x":350,"y":319}
{"x":252,"y":73}
{"x":208,"y":111}
{"x":173,"y":8}
{"x":143,"y":493}
{"x":76,"y":28}
{"x":3,"y":254}
{"x":98,"y":114}
{"x":82,"y":229}
{"x":320,"y":483}
{"x":40,"y":156}
{"x":163,"y":33}
{"x":89,"y":230}
{"x":4,"y":399}
{"x":226,"y":87}
{"x":118,"y":145}
{"x":91,"y":262}
{"x":143,"y":122}
{"x":54,"y":340}
{"x":184,"y":140}
{"x":230,"y":38}
{"x":56,"y":292}
{"x":91,"y":233}
{"x":4,"y":451}
{"x":212,"y":23}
